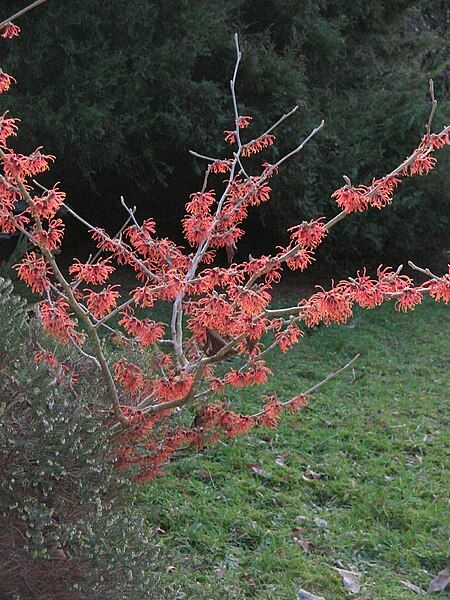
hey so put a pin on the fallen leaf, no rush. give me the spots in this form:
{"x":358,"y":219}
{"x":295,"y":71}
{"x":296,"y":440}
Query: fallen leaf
{"x":440,"y":582}
{"x":280,"y":461}
{"x":304,"y":544}
{"x":259,"y":471}
{"x":320,"y":522}
{"x":350,"y":579}
{"x":412,"y":587}
{"x":304,"y":595}
{"x":220,"y":572}
{"x":313,"y":474}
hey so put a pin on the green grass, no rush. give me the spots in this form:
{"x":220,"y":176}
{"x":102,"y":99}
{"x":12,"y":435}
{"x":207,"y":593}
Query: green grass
{"x":377,"y":438}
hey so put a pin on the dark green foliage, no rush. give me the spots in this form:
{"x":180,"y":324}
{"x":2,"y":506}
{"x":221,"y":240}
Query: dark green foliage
{"x":120,"y":91}
{"x":69,"y":525}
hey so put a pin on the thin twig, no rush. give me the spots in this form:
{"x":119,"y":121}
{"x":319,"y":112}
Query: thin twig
{"x":317,"y":385}
{"x":20,"y":13}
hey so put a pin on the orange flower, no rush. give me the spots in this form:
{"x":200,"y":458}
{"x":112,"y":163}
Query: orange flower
{"x":257,"y":145}
{"x":440,"y":290}
{"x":408,"y":300}
{"x":130,"y":376}
{"x":297,"y":403}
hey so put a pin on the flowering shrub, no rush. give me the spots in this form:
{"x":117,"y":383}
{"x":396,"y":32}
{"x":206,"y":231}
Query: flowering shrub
{"x":70,"y":522}
{"x":217,"y":312}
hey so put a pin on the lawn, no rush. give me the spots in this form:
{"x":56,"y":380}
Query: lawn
{"x":357,"y":480}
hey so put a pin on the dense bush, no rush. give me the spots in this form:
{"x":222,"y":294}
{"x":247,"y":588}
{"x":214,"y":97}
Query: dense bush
{"x":135,"y":85}
{"x":69,"y":526}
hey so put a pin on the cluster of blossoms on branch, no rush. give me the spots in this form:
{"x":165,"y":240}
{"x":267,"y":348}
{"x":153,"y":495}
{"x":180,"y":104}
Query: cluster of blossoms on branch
{"x":217,"y":313}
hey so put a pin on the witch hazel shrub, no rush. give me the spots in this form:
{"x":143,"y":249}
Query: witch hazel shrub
{"x":158,"y":371}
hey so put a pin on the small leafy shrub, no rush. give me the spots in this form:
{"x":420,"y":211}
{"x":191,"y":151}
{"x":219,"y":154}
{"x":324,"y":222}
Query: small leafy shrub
{"x":69,"y":526}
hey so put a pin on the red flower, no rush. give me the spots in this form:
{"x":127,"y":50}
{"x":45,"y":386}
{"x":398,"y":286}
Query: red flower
{"x":174,"y":388}
{"x":301,"y":260}
{"x":350,"y":198}
{"x":20,"y":166}
{"x":94,"y":273}
{"x":220,"y":166}
{"x":8,"y":128}
{"x":438,"y":140}
{"x":51,"y":237}
{"x":230,"y":136}
{"x":380,"y":194}
{"x":256,"y":374}
{"x":196,"y":228}
{"x":5,"y":81}
{"x":10,"y":223}
{"x":46,"y":357}
{"x":130,"y":376}
{"x":101,"y":303}
{"x":144,"y":296}
{"x":34,"y":271}
{"x":200,"y":202}
{"x":364,"y":291}
{"x":10,"y":30}
{"x":235,"y":424}
{"x":421,"y":164}
{"x":57,"y":320}
{"x":146,"y":330}
{"x":329,"y":307}
{"x":252,"y":301}
{"x":271,"y":414}
{"x":289,"y":337}
{"x":391,"y":282}
{"x":297,"y":403}
{"x":47,"y":205}
{"x":309,"y":234}
{"x":243,"y":122}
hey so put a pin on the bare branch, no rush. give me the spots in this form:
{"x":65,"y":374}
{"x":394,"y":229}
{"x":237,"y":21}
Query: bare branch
{"x":20,"y":13}
{"x":318,"y":385}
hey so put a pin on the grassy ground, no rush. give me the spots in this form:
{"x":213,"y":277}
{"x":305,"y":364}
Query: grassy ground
{"x":356,"y":481}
